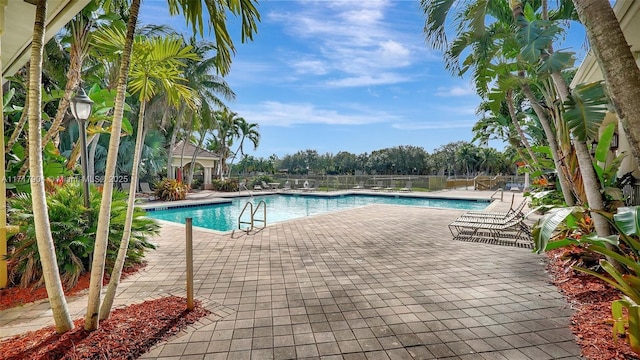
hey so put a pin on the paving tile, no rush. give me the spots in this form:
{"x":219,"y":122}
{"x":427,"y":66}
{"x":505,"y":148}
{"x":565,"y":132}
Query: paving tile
{"x":306,"y":286}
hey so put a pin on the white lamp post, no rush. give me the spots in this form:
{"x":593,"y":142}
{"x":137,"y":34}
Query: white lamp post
{"x":81,"y":110}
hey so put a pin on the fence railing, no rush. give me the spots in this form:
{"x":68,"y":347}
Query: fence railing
{"x":349,"y":182}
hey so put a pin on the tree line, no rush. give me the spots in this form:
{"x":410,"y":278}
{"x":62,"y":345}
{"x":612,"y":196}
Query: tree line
{"x":453,"y":159}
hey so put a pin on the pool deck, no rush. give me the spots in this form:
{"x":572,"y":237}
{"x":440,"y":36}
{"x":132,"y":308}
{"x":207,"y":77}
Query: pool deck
{"x":377,"y":282}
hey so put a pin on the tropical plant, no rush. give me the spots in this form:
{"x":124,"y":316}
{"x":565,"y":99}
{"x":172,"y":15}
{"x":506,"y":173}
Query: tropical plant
{"x":156,"y":64}
{"x":227,"y":185}
{"x":171,"y":190}
{"x":74,"y":235}
{"x":626,"y":250}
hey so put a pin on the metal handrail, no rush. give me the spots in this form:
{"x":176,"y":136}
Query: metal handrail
{"x":240,"y":186}
{"x":501,"y":194}
{"x":240,"y":222}
{"x":264,"y":214}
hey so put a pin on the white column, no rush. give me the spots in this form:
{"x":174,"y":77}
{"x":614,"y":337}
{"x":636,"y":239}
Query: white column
{"x":207,"y":175}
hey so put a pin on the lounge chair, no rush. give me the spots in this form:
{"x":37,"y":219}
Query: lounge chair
{"x":360,"y":186}
{"x":145,"y":189}
{"x":391,"y":187}
{"x":266,"y":186}
{"x":481,"y":215}
{"x":378,"y":187}
{"x":407,"y":187}
{"x":257,"y":187}
{"x":126,"y":187}
{"x":510,"y":230}
{"x":287,"y":186}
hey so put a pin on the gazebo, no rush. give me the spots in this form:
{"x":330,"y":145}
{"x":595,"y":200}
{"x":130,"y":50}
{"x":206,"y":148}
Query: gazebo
{"x":206,"y":159}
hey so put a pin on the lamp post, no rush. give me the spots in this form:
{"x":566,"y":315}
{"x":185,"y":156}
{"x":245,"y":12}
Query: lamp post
{"x":81,"y":110}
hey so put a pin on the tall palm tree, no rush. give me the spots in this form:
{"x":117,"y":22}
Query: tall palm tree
{"x":194,"y":14}
{"x":91,"y":320}
{"x":44,"y":238}
{"x":246,"y":131}
{"x":487,"y":43}
{"x":207,"y":85}
{"x":617,"y":63}
{"x":227,"y":131}
{"x":156,"y":65}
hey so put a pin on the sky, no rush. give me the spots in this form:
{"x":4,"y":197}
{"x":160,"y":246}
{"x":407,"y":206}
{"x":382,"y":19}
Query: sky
{"x":347,"y":75}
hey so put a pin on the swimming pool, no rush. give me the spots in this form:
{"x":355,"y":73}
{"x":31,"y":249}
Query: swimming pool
{"x":224,"y":217}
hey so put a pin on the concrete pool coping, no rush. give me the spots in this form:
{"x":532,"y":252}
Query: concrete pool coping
{"x":203,"y":198}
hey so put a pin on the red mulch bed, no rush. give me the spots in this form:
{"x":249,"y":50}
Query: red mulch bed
{"x":591,"y":299}
{"x":128,"y":333}
{"x":16,"y":296}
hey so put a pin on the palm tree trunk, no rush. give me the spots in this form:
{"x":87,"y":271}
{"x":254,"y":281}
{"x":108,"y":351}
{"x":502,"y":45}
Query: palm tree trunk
{"x":114,"y":281}
{"x":565,"y":186}
{"x":18,"y":129}
{"x":516,"y":124}
{"x":617,"y":63}
{"x":184,"y":144}
{"x":78,"y":51}
{"x":172,"y":144}
{"x":44,"y":238}
{"x":102,"y":233}
{"x":193,"y":158}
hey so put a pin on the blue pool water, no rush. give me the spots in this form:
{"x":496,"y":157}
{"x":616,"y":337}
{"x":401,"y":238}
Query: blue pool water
{"x":224,"y":217}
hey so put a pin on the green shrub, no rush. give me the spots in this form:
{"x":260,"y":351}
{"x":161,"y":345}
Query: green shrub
{"x":229,"y":185}
{"x":171,"y":190}
{"x":259,"y":179}
{"x":74,"y":232}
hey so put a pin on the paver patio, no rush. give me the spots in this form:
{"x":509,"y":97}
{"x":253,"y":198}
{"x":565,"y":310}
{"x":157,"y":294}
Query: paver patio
{"x":378,"y":282}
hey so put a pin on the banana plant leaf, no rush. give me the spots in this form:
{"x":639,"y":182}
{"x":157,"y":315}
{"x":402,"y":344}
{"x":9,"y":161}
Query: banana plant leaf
{"x":585,"y":109}
{"x":556,"y":61}
{"x":604,"y":143}
{"x":545,"y":227}
{"x":628,"y":220}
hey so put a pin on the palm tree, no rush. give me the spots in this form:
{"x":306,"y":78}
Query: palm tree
{"x":200,"y":78}
{"x":617,"y":63}
{"x":193,"y":13}
{"x":91,"y":320}
{"x":246,"y":131}
{"x":487,"y":43}
{"x":46,"y":248}
{"x":226,"y":131}
{"x":156,"y":64}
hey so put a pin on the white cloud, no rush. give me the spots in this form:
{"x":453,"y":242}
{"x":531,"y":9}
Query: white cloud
{"x":274,"y":113}
{"x":367,"y":80}
{"x":443,"y":124}
{"x":314,"y":67}
{"x":351,"y":40}
{"x":455,"y":91}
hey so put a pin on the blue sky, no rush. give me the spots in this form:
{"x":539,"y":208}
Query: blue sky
{"x":345,"y":75}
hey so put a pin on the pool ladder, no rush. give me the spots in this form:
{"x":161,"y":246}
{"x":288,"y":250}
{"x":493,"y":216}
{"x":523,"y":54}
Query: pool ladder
{"x":249,"y":205}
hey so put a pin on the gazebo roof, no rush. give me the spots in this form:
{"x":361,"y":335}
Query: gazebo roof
{"x":190,"y":149}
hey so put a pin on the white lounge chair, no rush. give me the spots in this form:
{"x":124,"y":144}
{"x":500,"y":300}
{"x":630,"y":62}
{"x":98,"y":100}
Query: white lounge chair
{"x":360,"y":186}
{"x":391,"y":187}
{"x":407,"y":187}
{"x":126,"y":187}
{"x":266,"y":186}
{"x":378,"y":187}
{"x":287,"y":186}
{"x":145,"y":189}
